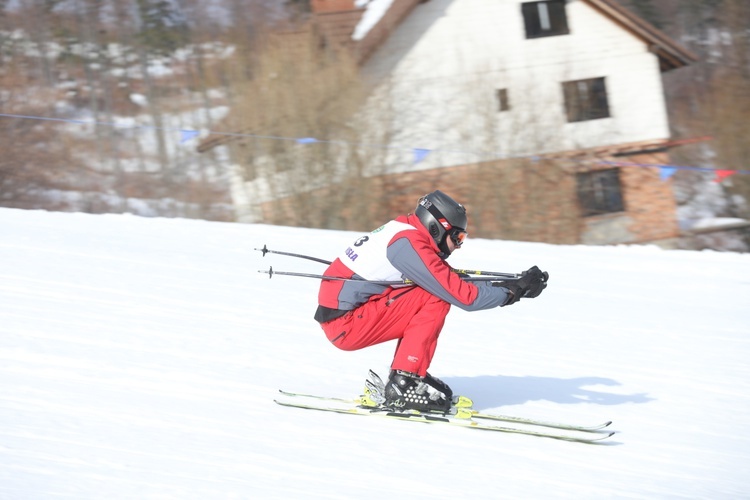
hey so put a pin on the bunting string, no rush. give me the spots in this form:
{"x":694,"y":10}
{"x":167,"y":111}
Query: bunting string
{"x":666,"y":171}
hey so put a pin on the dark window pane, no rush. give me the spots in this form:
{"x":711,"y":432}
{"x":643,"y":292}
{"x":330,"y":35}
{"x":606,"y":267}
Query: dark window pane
{"x":585,"y":99}
{"x":544,"y":18}
{"x":600,"y":192}
{"x":503,"y":104}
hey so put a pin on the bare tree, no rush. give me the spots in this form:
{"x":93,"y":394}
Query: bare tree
{"x":297,"y":117}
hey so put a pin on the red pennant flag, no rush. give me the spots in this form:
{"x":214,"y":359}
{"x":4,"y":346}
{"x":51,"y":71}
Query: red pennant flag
{"x":723,"y":174}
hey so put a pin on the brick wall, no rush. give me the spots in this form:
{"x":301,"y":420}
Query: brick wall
{"x":649,"y":201}
{"x":337,"y":27}
{"x":516,"y":200}
{"x":331,"y":5}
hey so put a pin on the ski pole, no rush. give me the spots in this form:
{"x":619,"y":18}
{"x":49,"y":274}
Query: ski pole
{"x":404,"y":282}
{"x":271,"y":273}
{"x":512,"y":276}
{"x":265,"y":250}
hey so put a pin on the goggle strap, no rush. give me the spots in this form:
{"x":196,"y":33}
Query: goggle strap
{"x":437,"y":214}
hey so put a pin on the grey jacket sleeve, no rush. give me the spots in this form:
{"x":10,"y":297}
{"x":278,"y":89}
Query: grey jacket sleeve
{"x":404,"y":257}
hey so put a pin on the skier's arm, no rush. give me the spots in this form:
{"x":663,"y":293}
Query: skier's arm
{"x":418,"y":262}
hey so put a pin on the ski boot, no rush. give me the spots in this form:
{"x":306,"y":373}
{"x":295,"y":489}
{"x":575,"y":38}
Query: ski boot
{"x":408,"y":391}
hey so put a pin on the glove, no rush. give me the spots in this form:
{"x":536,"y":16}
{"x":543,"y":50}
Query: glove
{"x":530,"y":285}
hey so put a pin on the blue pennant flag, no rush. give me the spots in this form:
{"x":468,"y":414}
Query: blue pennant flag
{"x":420,"y":154}
{"x":666,"y":172}
{"x":307,"y":140}
{"x":186,"y":135}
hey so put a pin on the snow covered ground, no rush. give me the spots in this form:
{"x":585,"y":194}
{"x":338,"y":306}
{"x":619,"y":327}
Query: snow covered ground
{"x":139,"y":358}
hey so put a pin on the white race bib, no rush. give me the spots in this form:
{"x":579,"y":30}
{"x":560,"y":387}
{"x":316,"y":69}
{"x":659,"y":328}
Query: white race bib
{"x":367,"y":256}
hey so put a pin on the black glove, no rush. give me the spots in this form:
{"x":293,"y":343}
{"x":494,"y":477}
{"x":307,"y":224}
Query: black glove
{"x":531,"y":284}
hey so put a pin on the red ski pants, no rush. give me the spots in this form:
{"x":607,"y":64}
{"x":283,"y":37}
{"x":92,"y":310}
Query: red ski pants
{"x":413,"y":316}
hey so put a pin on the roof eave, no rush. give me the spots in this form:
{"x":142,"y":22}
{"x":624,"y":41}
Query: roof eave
{"x":671,"y":54}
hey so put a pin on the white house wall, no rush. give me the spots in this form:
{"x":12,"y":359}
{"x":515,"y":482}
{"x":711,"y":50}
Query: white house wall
{"x":439,"y":70}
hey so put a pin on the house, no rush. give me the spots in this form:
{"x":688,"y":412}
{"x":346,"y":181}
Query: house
{"x":524,"y":109}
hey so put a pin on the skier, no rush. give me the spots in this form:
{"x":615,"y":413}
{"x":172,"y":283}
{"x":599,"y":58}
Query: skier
{"x":355,"y":314}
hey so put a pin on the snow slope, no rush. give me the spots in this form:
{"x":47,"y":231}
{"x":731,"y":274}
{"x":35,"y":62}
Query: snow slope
{"x":139,"y":358}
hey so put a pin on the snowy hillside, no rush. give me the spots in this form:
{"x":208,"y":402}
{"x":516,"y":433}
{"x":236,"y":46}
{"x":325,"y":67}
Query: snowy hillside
{"x":139,"y":358}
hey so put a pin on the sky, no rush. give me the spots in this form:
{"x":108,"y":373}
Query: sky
{"x":140,"y":358}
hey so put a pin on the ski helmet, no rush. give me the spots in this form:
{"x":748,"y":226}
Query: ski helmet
{"x":442,"y":216}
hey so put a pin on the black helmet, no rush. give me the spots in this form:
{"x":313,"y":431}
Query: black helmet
{"x":442,"y":215}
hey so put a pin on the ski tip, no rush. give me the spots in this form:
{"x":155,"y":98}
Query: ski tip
{"x":608,"y":424}
{"x":600,"y":439}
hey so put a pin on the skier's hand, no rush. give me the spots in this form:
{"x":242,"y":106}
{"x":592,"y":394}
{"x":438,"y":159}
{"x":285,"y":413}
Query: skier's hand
{"x":530,"y":285}
{"x":535,"y":281}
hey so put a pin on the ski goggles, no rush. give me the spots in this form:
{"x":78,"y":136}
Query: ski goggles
{"x":457,"y":236}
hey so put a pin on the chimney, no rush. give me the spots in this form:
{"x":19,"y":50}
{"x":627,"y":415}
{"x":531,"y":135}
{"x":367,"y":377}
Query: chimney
{"x":319,"y":6}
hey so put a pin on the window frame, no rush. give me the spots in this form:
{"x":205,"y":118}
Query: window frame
{"x":551,"y":13}
{"x":586,"y":99}
{"x":600,"y":192}
{"x":503,"y":99}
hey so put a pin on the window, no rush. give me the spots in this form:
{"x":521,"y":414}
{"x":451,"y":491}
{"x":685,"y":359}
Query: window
{"x":586,"y":99}
{"x":545,"y":18}
{"x":503,"y":104}
{"x":600,"y":192}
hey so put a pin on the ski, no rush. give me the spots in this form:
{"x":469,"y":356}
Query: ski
{"x":435,"y":419}
{"x":474,"y":414}
{"x":542,"y":423}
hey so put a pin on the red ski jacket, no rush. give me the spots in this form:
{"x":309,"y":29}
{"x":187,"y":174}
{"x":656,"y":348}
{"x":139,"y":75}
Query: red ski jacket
{"x":400,"y":249}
